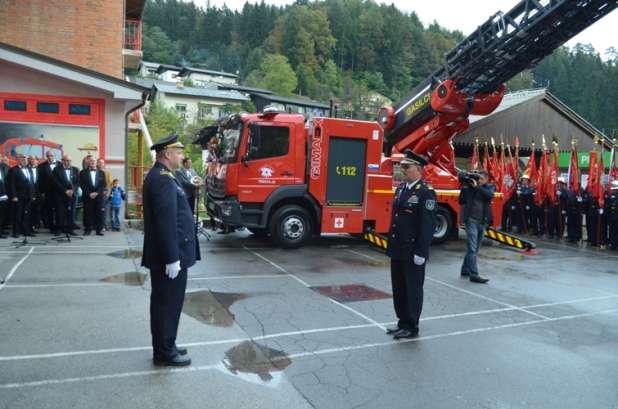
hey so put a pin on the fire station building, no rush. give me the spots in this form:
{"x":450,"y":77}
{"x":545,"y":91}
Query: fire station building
{"x":61,"y":78}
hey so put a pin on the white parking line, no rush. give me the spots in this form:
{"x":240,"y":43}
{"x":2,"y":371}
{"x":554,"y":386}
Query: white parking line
{"x":304,"y":283}
{"x":59,"y":381}
{"x":15,"y":267}
{"x":291,"y":333}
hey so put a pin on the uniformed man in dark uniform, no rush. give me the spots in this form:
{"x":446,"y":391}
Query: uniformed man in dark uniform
{"x":574,"y":217}
{"x":411,"y":232}
{"x":593,"y":220}
{"x":611,"y":215}
{"x":525,"y":203}
{"x":557,"y":212}
{"x":170,"y":248}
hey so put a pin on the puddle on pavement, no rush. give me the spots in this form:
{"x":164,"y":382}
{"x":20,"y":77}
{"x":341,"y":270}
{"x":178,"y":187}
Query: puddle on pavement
{"x":252,"y":358}
{"x":211,"y":307}
{"x":126,"y":253}
{"x":351,"y":293}
{"x":133,"y":278}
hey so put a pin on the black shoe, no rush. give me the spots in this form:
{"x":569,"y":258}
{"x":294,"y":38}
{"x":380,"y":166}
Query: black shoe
{"x":181,"y":351}
{"x":478,"y":279}
{"x":391,"y":331}
{"x":464,"y":275}
{"x":75,"y":227}
{"x":178,"y":360}
{"x":29,"y":234}
{"x":72,"y":233}
{"x":406,"y":333}
{"x":100,"y":233}
{"x":2,"y":236}
{"x":87,"y":232}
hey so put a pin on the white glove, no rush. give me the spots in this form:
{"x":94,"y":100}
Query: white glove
{"x":527,"y":207}
{"x":4,"y":198}
{"x":419,"y":261}
{"x":172,"y":269}
{"x":600,"y":211}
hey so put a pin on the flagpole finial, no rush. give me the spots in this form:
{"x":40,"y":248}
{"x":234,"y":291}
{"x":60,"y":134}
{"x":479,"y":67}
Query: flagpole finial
{"x":493,"y":142}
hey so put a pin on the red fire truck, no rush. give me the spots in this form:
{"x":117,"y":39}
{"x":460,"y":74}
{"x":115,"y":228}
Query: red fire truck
{"x":291,"y":178}
{"x":29,"y":146}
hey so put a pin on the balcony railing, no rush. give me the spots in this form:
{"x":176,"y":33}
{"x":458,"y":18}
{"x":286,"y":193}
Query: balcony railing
{"x":133,"y":34}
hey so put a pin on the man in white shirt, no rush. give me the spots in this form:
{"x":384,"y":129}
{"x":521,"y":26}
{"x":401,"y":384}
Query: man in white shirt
{"x":92,"y":182}
{"x":46,"y":189}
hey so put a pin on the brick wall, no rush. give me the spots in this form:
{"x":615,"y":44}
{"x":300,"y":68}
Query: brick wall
{"x":89,"y":33}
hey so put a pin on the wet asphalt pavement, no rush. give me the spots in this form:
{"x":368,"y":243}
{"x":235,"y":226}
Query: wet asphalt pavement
{"x":272,"y":328}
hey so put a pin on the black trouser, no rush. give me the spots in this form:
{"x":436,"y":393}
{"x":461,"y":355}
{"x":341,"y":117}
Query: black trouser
{"x":574,"y":225}
{"x":3,"y":210}
{"x":166,"y":300}
{"x":48,"y":211}
{"x":593,"y":226}
{"x":555,"y":222}
{"x":35,"y":212}
{"x":64,"y":207}
{"x":21,"y":217}
{"x":407,"y":279}
{"x":538,"y":217}
{"x":93,"y":213}
{"x":613,"y":232}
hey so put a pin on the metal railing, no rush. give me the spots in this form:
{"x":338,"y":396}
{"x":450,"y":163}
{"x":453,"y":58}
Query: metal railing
{"x":133,"y":34}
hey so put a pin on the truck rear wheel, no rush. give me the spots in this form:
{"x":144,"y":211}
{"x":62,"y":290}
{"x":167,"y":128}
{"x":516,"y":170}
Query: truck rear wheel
{"x":444,"y":224}
{"x":290,"y":226}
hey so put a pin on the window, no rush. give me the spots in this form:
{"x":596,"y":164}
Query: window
{"x":274,"y":141}
{"x":79,"y":109}
{"x":47,"y":107}
{"x":204,"y":111}
{"x":182,"y":110}
{"x":10,"y":105}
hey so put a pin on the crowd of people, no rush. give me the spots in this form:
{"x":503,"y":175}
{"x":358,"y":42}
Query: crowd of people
{"x":47,"y":195}
{"x":567,"y":218}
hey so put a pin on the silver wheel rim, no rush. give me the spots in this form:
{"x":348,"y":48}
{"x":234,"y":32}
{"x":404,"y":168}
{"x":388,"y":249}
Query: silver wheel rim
{"x":441,"y":226}
{"x":293,"y":227}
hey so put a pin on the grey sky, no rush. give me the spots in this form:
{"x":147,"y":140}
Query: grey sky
{"x":467,"y":15}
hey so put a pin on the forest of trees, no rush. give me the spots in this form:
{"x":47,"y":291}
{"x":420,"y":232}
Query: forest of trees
{"x":346,"y":49}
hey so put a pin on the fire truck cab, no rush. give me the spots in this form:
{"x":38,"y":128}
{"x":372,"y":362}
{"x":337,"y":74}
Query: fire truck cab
{"x":289,"y":178}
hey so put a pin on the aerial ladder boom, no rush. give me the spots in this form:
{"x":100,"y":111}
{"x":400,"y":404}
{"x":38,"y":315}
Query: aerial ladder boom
{"x":471,"y":80}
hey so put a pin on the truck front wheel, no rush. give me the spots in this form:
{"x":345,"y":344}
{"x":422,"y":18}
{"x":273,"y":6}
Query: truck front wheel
{"x":444,"y":224}
{"x":290,"y":226}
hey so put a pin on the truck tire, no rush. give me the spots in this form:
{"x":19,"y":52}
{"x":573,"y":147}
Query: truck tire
{"x":290,"y":226}
{"x":444,"y":224}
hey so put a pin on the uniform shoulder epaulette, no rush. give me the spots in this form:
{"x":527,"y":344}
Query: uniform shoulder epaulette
{"x":429,"y":186}
{"x":166,"y":173}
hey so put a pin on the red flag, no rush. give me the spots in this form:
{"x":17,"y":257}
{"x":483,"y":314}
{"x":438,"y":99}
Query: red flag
{"x":541,"y":182}
{"x":510,"y":177}
{"x":486,"y":158}
{"x":474,"y":163}
{"x":613,"y":170}
{"x":551,"y":179}
{"x":600,"y":172}
{"x":573,"y":181}
{"x":493,"y":167}
{"x":591,"y":186}
{"x":531,"y":170}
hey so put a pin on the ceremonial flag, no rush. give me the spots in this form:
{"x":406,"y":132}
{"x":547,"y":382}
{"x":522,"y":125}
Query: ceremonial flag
{"x":591,"y":186}
{"x":474,"y":163}
{"x":531,"y":170}
{"x":541,"y":182}
{"x":613,"y":170}
{"x":552,"y":177}
{"x":573,"y":175}
{"x":600,"y":195}
{"x":486,"y":158}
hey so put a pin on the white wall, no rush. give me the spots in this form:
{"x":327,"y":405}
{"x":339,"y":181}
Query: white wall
{"x":200,"y":79}
{"x":170,"y":101}
{"x":170,"y":76}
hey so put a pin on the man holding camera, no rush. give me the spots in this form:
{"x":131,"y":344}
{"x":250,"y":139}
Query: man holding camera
{"x":475,"y":200}
{"x":412,"y":227}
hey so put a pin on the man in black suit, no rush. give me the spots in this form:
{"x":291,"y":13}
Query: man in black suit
{"x":47,"y":191}
{"x":3,"y":202}
{"x":22,"y":194}
{"x":66,"y":180}
{"x":92,"y":182}
{"x":186,"y":175}
{"x":35,"y":208}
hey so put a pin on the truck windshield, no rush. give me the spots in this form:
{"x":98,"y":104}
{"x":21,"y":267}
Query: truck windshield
{"x":229,"y":145}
